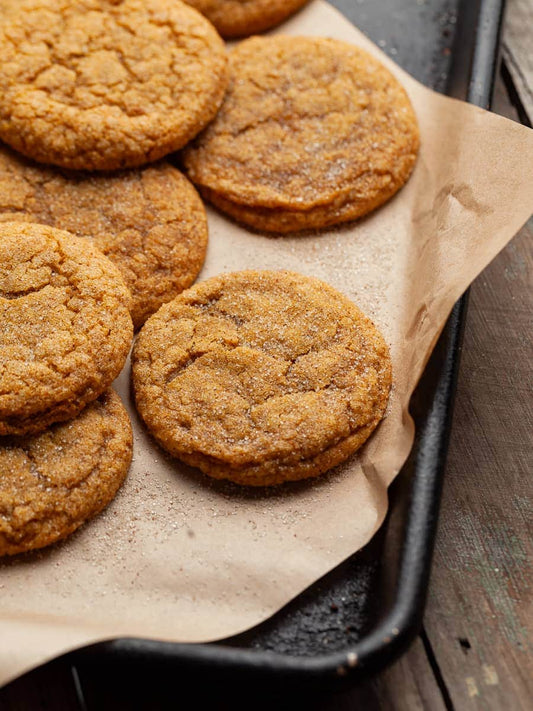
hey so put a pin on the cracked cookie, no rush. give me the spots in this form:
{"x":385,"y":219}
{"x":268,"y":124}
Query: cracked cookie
{"x":65,"y":326}
{"x":261,"y":377}
{"x":107,"y":84}
{"x":54,"y":481}
{"x":150,"y":222}
{"x":312,"y":132}
{"x":238,"y":18}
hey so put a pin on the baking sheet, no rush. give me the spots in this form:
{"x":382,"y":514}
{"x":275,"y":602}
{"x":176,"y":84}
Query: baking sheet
{"x":178,"y":557}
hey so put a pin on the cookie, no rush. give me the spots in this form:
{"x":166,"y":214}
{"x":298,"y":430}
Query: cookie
{"x":65,"y":326}
{"x":312,"y":132}
{"x":102,"y":85}
{"x":150,"y":221}
{"x":53,"y":482}
{"x":239,"y":18}
{"x":261,"y":377}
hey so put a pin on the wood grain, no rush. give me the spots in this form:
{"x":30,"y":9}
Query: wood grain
{"x":409,"y":685}
{"x":517,"y":49}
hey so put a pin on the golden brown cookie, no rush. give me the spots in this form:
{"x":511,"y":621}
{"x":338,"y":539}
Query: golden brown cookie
{"x":54,"y":481}
{"x":239,"y":18}
{"x":107,"y":84}
{"x":150,"y":222}
{"x":65,"y":326}
{"x":312,"y":132}
{"x":261,"y":377}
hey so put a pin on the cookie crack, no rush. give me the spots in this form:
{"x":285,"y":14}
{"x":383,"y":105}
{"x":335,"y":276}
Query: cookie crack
{"x":11,"y":295}
{"x":51,"y":507}
{"x":34,"y":468}
{"x":175,"y":372}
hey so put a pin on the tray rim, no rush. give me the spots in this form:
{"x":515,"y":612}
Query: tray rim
{"x":395,"y":632}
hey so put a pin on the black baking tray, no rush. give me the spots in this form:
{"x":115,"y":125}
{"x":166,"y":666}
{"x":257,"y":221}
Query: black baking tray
{"x":364,"y":614}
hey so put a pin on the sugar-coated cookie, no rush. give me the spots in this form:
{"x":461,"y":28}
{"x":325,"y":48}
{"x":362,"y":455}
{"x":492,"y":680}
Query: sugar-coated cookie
{"x":65,"y":326}
{"x":239,"y":18}
{"x":102,"y":85}
{"x":149,"y":221}
{"x":312,"y":132}
{"x":261,"y":377}
{"x":54,"y":481}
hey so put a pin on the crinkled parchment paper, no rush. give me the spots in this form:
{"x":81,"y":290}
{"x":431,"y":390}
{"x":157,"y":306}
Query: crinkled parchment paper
{"x":179,"y":557}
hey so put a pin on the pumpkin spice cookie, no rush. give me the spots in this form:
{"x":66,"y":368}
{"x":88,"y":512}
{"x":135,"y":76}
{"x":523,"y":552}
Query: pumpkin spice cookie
{"x":261,"y":377}
{"x":54,"y":481}
{"x":239,"y":18}
{"x":150,"y":221}
{"x":312,"y":132}
{"x":65,"y":326}
{"x":107,"y":84}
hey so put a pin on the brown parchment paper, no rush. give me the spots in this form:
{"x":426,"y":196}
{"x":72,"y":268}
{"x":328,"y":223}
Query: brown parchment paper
{"x":179,"y":557}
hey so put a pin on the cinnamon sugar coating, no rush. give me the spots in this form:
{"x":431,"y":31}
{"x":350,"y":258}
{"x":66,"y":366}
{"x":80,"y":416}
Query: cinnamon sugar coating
{"x":238,"y":18}
{"x":261,"y":377}
{"x":107,"y":84}
{"x":150,"y":221}
{"x":312,"y":132}
{"x":65,"y":326}
{"x":54,"y":481}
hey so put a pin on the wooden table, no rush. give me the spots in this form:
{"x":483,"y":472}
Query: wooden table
{"x":475,"y":650}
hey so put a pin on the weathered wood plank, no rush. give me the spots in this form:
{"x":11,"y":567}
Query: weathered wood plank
{"x":409,"y":685}
{"x":518,"y":50}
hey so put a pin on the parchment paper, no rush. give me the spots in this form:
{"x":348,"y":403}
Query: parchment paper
{"x":179,"y":557}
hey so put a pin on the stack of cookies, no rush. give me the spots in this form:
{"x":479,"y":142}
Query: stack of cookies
{"x":150,"y":222}
{"x":89,"y":86}
{"x":258,"y":377}
{"x":65,"y":333}
{"x":95,"y":85}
